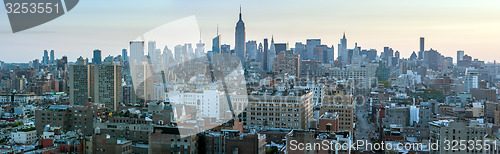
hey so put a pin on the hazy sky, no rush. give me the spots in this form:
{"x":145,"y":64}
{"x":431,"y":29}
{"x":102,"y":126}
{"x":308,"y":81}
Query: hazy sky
{"x":447,"y":25}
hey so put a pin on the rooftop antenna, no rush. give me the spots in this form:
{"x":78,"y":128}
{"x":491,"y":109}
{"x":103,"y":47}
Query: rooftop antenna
{"x":217,"y":29}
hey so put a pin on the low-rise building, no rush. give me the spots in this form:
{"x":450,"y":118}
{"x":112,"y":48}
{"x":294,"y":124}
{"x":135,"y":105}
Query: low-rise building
{"x":70,"y":118}
{"x":105,"y":144}
{"x":448,"y":130}
{"x":27,"y":136}
{"x":285,"y":111}
{"x":168,"y":140}
{"x":232,"y":141}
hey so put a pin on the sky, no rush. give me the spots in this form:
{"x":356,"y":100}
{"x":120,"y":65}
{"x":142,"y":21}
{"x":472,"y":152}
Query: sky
{"x":447,"y":25}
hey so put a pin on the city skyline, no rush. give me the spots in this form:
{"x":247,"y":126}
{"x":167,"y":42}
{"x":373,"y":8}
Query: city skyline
{"x":265,"y":77}
{"x":400,"y":28}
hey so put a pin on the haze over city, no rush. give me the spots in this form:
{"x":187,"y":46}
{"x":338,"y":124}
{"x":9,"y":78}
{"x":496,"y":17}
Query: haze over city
{"x":250,"y":77}
{"x":447,"y":25}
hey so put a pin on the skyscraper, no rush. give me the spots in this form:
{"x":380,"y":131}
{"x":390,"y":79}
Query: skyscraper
{"x":124,"y":55}
{"x":356,"y":58}
{"x":107,"y":84}
{"x":200,"y":49}
{"x":342,"y":51}
{"x":432,"y":59}
{"x":79,"y":82}
{"x":189,"y":51}
{"x":251,"y":50}
{"x":151,"y":49}
{"x":97,"y":57}
{"x":216,"y":44}
{"x":52,"y":56}
{"x":239,"y":40}
{"x":300,"y":48}
{"x":270,"y":56}
{"x":45,"y":59}
{"x":422,"y":48}
{"x":460,"y":55}
{"x":310,"y":44}
{"x":260,"y":53}
{"x":471,"y":79}
{"x":264,"y":57}
{"x":136,"y":51}
{"x":225,"y":48}
{"x":179,"y":52}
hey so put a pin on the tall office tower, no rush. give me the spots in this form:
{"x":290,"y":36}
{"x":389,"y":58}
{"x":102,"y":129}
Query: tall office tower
{"x":413,"y":56}
{"x":225,"y":48}
{"x":432,"y":59}
{"x":216,"y":44}
{"x":395,"y":59}
{"x":251,"y":50}
{"x":320,"y":53}
{"x":403,"y":66}
{"x":151,"y":49}
{"x":179,"y":51}
{"x":356,"y":58}
{"x":300,"y":48}
{"x":371,"y":54}
{"x":388,"y":53}
{"x":260,"y":51}
{"x":342,"y":51}
{"x":460,"y":55}
{"x":189,"y":51}
{"x":136,"y":51}
{"x":52,"y":56}
{"x":310,"y":44}
{"x":128,"y":95}
{"x":97,"y":57}
{"x":124,"y":55}
{"x":287,"y":63}
{"x":200,"y":49}
{"x":168,"y":57}
{"x":45,"y":59}
{"x":330,"y":52}
{"x":107,"y":84}
{"x":79,"y":82}
{"x":280,"y":47}
{"x":239,"y":41}
{"x":264,"y":57}
{"x":422,"y":48}
{"x":270,"y":56}
{"x":62,"y":64}
{"x":471,"y":79}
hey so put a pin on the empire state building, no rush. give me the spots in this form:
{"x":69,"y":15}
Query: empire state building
{"x":239,"y":40}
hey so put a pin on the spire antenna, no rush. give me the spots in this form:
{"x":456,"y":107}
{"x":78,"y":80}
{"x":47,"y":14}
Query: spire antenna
{"x":200,"y":36}
{"x":240,"y":12}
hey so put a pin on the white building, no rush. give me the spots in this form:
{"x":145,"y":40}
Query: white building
{"x":21,"y":98}
{"x":318,"y":90}
{"x":471,"y":79}
{"x":207,"y":102}
{"x":27,"y":137}
{"x":414,"y":115}
{"x":136,"y":50}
